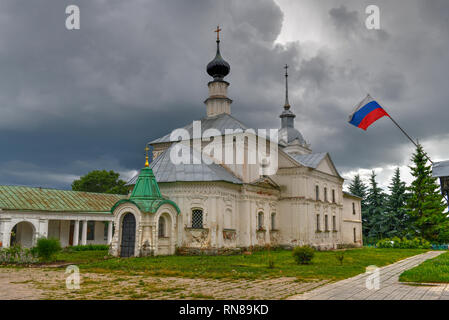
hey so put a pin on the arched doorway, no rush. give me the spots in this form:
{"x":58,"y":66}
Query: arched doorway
{"x":164,"y":235}
{"x":128,"y":235}
{"x":23,"y":234}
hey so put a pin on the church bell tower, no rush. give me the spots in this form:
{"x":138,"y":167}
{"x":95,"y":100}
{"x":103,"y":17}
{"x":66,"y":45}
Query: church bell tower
{"x":218,"y":101}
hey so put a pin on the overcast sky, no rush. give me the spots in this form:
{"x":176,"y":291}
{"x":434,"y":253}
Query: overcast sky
{"x":74,"y":101}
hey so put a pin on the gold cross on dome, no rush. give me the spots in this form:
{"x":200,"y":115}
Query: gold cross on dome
{"x":218,"y":32}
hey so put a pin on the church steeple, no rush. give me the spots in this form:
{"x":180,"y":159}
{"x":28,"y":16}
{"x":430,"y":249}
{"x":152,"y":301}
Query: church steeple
{"x":287,"y":116}
{"x":286,"y":105}
{"x":218,"y":101}
{"x":290,"y":137}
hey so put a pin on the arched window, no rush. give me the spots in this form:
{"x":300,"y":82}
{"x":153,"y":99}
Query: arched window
{"x":161,"y":227}
{"x":325,"y":194}
{"x":273,"y":221}
{"x":317,"y":193}
{"x":197,"y":218}
{"x":260,"y":221}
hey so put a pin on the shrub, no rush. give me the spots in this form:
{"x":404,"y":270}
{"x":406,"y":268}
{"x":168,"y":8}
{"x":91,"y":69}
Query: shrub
{"x":384,"y":243}
{"x":47,"y":248}
{"x":404,"y":243}
{"x":340,"y":255}
{"x":89,"y":247}
{"x":17,"y":255}
{"x":396,"y":242}
{"x":270,"y":262}
{"x":303,"y":254}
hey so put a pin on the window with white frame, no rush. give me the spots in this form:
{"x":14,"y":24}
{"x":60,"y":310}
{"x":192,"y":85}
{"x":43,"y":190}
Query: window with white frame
{"x":317,"y":193}
{"x":333,"y":195}
{"x":325,"y":194}
{"x":197,"y":218}
{"x":334,"y":223}
{"x":326,"y":222}
{"x":318,"y":227}
{"x":273,"y":221}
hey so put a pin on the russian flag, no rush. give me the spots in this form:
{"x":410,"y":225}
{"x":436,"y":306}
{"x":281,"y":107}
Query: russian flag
{"x":366,"y":113}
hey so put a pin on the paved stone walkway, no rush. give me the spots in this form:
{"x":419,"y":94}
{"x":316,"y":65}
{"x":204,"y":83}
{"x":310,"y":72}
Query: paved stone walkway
{"x":390,"y":288}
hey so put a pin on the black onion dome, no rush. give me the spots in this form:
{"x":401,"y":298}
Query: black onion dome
{"x":218,"y":68}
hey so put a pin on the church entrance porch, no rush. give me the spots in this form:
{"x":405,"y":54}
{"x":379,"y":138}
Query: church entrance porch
{"x":128,"y":237}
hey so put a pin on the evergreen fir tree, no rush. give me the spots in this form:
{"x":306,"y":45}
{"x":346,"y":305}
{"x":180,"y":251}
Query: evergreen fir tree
{"x":425,"y":205}
{"x":396,"y":218}
{"x":358,"y":188}
{"x":375,"y":225}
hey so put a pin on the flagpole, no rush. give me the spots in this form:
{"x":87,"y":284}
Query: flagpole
{"x":405,"y":133}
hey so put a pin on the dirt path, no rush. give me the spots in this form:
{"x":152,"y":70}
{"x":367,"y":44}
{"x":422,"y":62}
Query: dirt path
{"x":39,"y":283}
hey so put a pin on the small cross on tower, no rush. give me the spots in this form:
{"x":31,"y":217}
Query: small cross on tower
{"x":218,"y":33}
{"x":286,"y":67}
{"x":146,"y":156}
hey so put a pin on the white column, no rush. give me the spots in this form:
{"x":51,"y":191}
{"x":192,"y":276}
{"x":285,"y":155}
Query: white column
{"x":110,"y":224}
{"x":84,"y":233}
{"x":6,"y":235}
{"x":43,"y":229}
{"x":76,"y":233}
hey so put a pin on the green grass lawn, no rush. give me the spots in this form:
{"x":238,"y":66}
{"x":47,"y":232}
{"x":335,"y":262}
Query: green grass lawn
{"x":430,"y":271}
{"x":324,"y":265}
{"x":80,"y":257}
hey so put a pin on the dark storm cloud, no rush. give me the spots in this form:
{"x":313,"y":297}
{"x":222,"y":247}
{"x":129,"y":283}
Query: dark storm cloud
{"x":73,"y":101}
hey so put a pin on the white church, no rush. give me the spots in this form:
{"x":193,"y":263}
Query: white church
{"x":203,"y":207}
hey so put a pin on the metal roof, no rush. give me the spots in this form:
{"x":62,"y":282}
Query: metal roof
{"x":351,"y":195}
{"x":441,"y":169}
{"x":166,"y":171}
{"x":309,"y":160}
{"x":146,"y":194}
{"x":288,"y":134}
{"x":219,"y":122}
{"x":53,"y":200}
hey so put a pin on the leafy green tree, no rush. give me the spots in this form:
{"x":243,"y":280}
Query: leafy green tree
{"x":425,"y":205}
{"x":397,"y":220}
{"x":374,"y":224}
{"x":100,"y":181}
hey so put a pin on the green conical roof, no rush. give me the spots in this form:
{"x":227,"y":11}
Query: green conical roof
{"x":146,"y":187}
{"x":146,"y":194}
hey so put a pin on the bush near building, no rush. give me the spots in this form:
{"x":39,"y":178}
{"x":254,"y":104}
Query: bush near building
{"x":404,"y":243}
